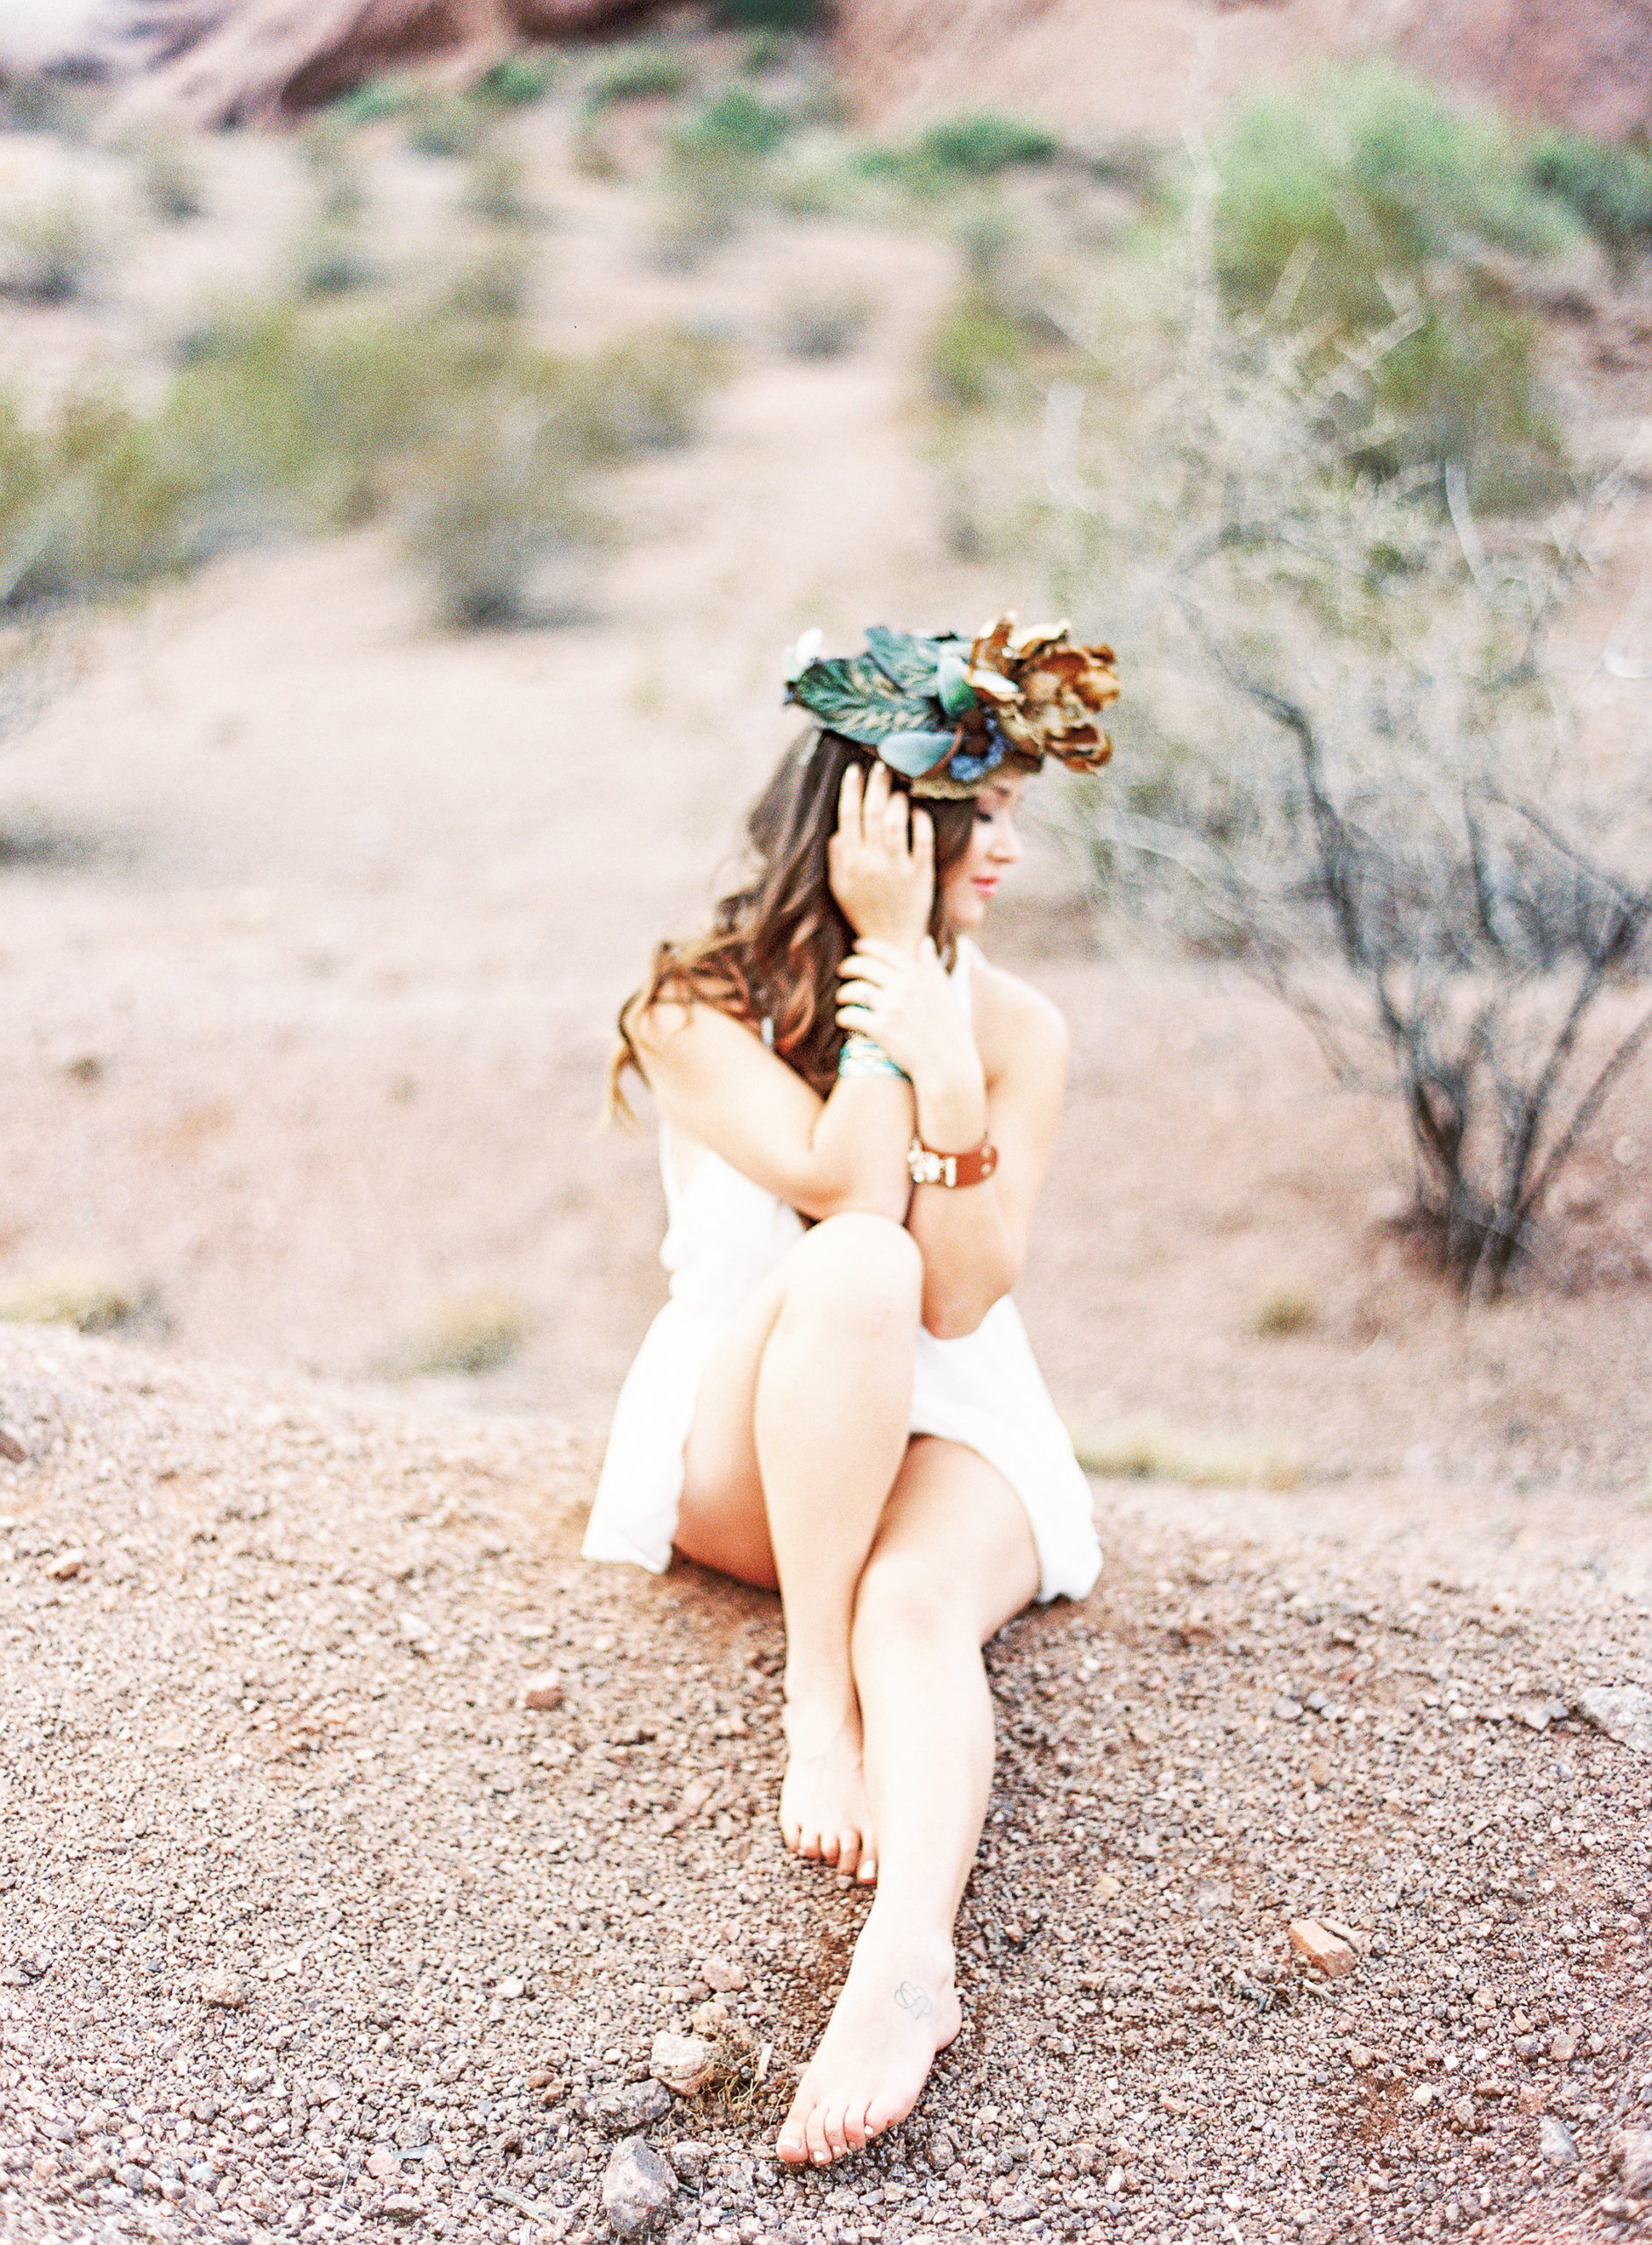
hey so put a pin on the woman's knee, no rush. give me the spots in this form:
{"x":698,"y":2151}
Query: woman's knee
{"x":862,"y":1269}
{"x":905,"y":1599}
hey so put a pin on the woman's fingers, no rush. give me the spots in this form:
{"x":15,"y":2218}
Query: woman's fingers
{"x":874,"y":801}
{"x":849,"y":799}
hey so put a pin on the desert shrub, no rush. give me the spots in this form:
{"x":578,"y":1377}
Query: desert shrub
{"x":648,"y":70}
{"x":52,"y":253}
{"x":975,"y":356}
{"x":497,"y":190}
{"x":519,"y":80}
{"x":1340,"y":208}
{"x":1286,"y":1311}
{"x":1351,"y":763}
{"x":493,"y":287}
{"x":317,"y":421}
{"x":773,"y":15}
{"x":763,"y":54}
{"x":331,"y":158}
{"x":979,"y":147}
{"x":825,"y":325}
{"x":371,"y":102}
{"x":32,"y":101}
{"x":87,"y":1301}
{"x":474,"y":1333}
{"x":1150,"y":1449}
{"x":92,"y":498}
{"x":499,"y":495}
{"x":170,"y":183}
{"x":443,"y":124}
{"x":333,"y":262}
{"x":644,"y":392}
{"x":1609,"y":189}
{"x":735,"y":125}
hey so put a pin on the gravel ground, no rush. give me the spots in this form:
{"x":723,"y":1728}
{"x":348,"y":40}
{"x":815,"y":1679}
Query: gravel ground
{"x":312,"y":1928}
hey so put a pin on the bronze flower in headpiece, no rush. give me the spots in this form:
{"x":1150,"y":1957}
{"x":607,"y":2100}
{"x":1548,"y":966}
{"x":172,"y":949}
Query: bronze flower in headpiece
{"x":947,"y":713}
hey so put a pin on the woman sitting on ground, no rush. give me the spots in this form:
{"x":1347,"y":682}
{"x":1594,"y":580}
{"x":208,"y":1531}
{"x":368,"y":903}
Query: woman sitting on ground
{"x":839,"y":1401}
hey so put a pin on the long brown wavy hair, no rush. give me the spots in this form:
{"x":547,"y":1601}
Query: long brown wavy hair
{"x":774,"y":944}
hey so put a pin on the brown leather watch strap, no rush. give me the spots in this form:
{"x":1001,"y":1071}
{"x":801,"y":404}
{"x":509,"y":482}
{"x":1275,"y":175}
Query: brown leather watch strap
{"x":926,"y":1166}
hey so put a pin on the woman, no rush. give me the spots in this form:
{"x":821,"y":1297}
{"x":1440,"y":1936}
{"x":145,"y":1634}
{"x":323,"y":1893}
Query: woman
{"x":838,"y":1401}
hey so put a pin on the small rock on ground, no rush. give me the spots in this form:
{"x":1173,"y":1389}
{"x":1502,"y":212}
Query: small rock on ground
{"x":638,"y":2188}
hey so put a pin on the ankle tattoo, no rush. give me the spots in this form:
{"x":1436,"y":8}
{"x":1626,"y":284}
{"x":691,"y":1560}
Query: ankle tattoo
{"x":914,"y":2000}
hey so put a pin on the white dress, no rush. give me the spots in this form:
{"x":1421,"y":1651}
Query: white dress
{"x":725,"y":1235}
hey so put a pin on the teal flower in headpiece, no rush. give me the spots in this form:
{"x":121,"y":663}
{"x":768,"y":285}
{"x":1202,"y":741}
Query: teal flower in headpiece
{"x":945,"y":712}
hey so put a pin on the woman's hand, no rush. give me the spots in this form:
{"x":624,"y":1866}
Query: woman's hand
{"x":880,"y":862}
{"x":907,"y":1003}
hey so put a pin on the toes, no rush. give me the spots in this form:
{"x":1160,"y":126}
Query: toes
{"x":867,"y":1875}
{"x":791,"y":2144}
{"x":848,"y":1852}
{"x":815,"y":2136}
{"x":833,"y":2131}
{"x":856,"y":2126}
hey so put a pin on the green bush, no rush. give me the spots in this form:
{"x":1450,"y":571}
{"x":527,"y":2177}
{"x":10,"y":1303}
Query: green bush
{"x":645,"y":71}
{"x":981,"y":146}
{"x":170,"y":183}
{"x":331,"y":262}
{"x":645,"y":394}
{"x":443,"y":124}
{"x":52,"y":253}
{"x":975,"y":356}
{"x":499,"y":495}
{"x":330,"y":158}
{"x":369,"y":103}
{"x":764,"y":54}
{"x":32,"y":102}
{"x":519,"y":80}
{"x":492,"y":288}
{"x":1340,"y":209}
{"x":824,"y":327}
{"x":92,"y":499}
{"x":1609,"y":188}
{"x":496,"y":190}
{"x":773,"y":15}
{"x":735,"y":125}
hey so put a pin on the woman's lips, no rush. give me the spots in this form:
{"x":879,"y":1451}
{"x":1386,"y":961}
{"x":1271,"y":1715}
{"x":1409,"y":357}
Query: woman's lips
{"x":986,"y":882}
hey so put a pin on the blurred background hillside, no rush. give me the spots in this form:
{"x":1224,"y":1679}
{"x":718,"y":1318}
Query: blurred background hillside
{"x":421,"y":432}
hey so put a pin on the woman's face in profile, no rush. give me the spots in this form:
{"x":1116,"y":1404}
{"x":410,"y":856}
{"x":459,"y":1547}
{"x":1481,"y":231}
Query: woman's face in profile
{"x":994,"y":846}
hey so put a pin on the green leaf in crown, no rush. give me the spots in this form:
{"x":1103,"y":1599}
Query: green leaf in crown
{"x":910,"y":659}
{"x":947,"y":712}
{"x":854,"y":697}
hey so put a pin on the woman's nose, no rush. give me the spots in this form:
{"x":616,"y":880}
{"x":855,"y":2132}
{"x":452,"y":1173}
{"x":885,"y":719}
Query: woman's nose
{"x":1006,"y":845}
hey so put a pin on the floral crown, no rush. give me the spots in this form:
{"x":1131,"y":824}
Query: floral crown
{"x":948,"y":712}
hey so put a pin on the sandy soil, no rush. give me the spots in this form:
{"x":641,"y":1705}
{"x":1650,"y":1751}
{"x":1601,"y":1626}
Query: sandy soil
{"x":307,"y":963}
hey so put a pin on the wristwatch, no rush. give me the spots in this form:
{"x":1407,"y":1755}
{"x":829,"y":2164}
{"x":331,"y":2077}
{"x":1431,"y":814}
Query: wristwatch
{"x":926,"y":1166}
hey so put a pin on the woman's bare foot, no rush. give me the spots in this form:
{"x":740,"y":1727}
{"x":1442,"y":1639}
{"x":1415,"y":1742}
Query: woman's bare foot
{"x":825,"y":1810}
{"x":899,"y":2007}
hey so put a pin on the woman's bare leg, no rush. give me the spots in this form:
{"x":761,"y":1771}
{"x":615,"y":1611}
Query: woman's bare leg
{"x":953,"y":1560}
{"x":800,"y":1432}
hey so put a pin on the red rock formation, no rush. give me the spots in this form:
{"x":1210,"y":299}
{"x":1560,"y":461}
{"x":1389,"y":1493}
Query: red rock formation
{"x":1586,"y":63}
{"x":214,"y":62}
{"x":1102,"y":69}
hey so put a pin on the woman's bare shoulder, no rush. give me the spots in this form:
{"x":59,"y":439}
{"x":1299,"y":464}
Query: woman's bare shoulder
{"x":686,"y":1038}
{"x":1013,"y":1015}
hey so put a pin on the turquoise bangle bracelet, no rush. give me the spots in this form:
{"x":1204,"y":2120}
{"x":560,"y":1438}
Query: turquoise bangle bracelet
{"x":864,"y":1056}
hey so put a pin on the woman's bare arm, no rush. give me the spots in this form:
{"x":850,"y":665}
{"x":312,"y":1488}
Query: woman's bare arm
{"x":717,"y":1082}
{"x":974,"y":1238}
{"x":824,"y":1158}
{"x":1008,"y":1083}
